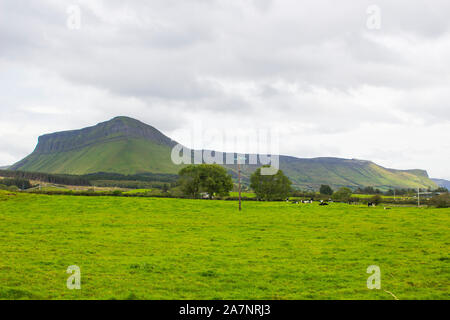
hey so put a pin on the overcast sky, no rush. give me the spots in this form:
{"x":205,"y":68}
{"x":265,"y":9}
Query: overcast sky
{"x":332,"y":78}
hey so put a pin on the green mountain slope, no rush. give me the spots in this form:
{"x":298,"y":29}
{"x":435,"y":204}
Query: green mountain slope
{"x":122,"y":145}
{"x":352,"y":173}
{"x":128,"y":146}
{"x":336,"y":172}
{"x":442,"y":183}
{"x":127,"y":156}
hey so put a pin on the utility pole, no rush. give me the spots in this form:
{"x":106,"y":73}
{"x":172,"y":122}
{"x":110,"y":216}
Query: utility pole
{"x":418,"y":197}
{"x":238,"y":158}
{"x":239,"y":178}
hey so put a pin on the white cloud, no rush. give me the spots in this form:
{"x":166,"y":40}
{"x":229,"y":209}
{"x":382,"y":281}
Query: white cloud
{"x":311,"y":70}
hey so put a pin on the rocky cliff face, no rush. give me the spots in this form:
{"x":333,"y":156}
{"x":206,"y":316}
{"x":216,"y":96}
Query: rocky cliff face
{"x":115,"y":129}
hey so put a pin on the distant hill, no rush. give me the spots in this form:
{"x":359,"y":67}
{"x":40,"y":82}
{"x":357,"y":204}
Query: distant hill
{"x":442,"y":183}
{"x":4,"y":167}
{"x":121,"y":145}
{"x":353,"y":173}
{"x":127,"y":146}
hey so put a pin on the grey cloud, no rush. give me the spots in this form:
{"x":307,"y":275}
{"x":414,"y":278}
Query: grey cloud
{"x":289,"y":63}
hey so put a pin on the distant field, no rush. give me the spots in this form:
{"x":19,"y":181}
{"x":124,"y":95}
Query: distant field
{"x":149,"y":248}
{"x":383,"y":196}
{"x":137,"y":191}
{"x":243,"y":194}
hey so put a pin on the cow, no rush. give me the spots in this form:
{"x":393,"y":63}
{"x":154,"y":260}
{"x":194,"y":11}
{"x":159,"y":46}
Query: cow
{"x":323,"y":204}
{"x":371,"y":204}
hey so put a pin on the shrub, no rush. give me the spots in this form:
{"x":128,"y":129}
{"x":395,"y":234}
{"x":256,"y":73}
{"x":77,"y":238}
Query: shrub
{"x":117,"y":193}
{"x":19,"y":183}
{"x":343,"y":194}
{"x":441,"y":201}
{"x":326,"y":189}
{"x":377,"y":199}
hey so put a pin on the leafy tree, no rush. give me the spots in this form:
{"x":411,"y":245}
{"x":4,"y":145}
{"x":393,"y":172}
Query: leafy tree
{"x":270,"y":187}
{"x":441,"y":201}
{"x":214,"y":179}
{"x":343,"y":194}
{"x":190,"y":180}
{"x":326,"y":189}
{"x":211,"y":178}
{"x":377,"y":199}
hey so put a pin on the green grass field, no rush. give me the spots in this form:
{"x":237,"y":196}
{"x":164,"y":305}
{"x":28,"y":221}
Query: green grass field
{"x":149,"y":248}
{"x":368,"y":196}
{"x":243,"y":194}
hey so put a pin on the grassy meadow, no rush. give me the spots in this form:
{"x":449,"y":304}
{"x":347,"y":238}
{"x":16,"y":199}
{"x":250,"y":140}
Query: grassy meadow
{"x":156,"y":248}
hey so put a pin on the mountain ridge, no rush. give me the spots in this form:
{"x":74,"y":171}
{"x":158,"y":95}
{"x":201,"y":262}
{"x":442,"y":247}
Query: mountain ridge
{"x":442,"y":183}
{"x":128,"y":146}
{"x":115,"y":128}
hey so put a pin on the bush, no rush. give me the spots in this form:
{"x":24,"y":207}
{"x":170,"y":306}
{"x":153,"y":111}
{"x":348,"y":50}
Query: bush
{"x":19,"y":183}
{"x":117,"y":192}
{"x":343,"y":195}
{"x":8,"y":188}
{"x":377,"y":199}
{"x":441,"y":201}
{"x":326,"y":189}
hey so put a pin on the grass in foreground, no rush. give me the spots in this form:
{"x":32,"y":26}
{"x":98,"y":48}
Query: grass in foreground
{"x":149,"y":248}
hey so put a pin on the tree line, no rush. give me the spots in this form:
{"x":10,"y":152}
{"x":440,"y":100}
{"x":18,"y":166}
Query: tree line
{"x":155,"y":180}
{"x":46,"y":177}
{"x":17,"y":183}
{"x":398,"y":192}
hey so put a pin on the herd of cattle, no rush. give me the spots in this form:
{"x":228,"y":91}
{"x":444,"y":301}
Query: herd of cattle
{"x":322,"y":202}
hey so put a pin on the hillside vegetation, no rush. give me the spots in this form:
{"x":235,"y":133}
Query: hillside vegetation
{"x":128,"y":146}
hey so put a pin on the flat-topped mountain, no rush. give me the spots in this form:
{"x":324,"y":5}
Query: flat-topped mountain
{"x":128,"y":146}
{"x":118,"y":128}
{"x":121,"y":145}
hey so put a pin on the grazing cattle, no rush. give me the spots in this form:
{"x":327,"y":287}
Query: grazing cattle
{"x":323,"y":204}
{"x":204,"y":195}
{"x":307,"y":201}
{"x":387,"y":208}
{"x":371,"y":204}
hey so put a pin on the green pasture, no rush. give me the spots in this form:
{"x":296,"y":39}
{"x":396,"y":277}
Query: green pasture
{"x":243,"y":194}
{"x":158,"y":248}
